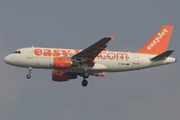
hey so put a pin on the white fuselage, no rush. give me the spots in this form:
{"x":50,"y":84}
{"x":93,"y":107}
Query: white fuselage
{"x":107,"y":61}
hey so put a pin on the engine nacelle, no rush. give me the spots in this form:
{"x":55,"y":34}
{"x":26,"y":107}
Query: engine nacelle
{"x":61,"y":76}
{"x":62,"y":62}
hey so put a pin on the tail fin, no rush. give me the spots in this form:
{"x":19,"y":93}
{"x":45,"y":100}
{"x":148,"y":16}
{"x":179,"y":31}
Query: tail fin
{"x":159,"y":43}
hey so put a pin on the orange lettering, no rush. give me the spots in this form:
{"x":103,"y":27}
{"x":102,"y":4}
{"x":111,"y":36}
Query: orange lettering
{"x":71,"y":54}
{"x":56,"y":53}
{"x":47,"y":52}
{"x":109,"y":56}
{"x":100,"y":55}
{"x":38,"y":52}
{"x":76,"y":51}
{"x":65,"y":53}
{"x":122,"y":55}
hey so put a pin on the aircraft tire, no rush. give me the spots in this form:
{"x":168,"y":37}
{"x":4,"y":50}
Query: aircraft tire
{"x":84,"y":83}
{"x":28,"y":76}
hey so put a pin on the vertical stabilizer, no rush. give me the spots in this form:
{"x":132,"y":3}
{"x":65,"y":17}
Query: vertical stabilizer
{"x":159,"y":43}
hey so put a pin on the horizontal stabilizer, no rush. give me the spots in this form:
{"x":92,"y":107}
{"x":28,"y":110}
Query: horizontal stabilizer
{"x":163,"y":56}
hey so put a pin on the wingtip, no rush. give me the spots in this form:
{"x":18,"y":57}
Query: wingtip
{"x":112,"y":37}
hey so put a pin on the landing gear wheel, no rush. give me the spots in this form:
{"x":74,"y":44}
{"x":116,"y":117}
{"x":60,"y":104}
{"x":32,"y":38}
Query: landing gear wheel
{"x":86,"y":75}
{"x":28,"y":76}
{"x":84,"y":83}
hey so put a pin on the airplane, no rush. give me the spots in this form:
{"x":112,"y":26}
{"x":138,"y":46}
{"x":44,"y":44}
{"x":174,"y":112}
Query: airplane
{"x":95,"y":60}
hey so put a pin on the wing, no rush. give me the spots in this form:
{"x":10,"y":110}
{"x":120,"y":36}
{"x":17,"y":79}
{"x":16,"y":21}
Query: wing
{"x":93,"y":51}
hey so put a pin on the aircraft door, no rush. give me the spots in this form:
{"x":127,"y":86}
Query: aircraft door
{"x":135,"y":58}
{"x":30,"y":52}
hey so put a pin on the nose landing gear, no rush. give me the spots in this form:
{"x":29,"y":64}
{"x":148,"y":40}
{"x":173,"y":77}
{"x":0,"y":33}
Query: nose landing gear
{"x":29,"y":75}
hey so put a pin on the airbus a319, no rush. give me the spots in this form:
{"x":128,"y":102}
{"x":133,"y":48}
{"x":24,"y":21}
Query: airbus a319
{"x":95,"y":60}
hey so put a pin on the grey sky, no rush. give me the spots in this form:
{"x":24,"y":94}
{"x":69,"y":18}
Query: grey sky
{"x":149,"y":94}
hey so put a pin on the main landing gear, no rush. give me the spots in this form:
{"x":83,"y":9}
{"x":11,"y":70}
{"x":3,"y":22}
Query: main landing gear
{"x":29,"y":75}
{"x":85,"y":82}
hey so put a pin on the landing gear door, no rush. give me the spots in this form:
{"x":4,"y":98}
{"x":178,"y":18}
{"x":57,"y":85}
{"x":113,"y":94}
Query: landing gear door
{"x":30,"y":52}
{"x":136,"y":58}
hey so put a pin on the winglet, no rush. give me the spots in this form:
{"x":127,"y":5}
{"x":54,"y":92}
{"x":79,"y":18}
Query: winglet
{"x":112,"y":37}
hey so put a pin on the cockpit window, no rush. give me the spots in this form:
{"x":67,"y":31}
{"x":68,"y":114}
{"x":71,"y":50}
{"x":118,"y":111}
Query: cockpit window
{"x":17,"y":52}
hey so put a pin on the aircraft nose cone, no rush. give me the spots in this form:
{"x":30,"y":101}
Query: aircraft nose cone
{"x":7,"y":59}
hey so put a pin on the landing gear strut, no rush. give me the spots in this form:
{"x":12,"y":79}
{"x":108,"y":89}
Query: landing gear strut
{"x":86,"y":75}
{"x":29,"y":75}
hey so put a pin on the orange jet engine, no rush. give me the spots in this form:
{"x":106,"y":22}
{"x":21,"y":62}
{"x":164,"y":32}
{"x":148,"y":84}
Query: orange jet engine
{"x":61,"y":76}
{"x":62,"y":62}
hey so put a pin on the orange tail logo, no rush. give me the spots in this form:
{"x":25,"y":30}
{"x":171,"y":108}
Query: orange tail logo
{"x":159,"y":43}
